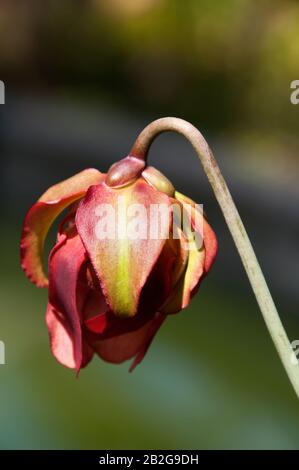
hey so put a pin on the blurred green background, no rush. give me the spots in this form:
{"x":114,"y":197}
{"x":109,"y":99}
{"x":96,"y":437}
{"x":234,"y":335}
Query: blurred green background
{"x":82,"y":79}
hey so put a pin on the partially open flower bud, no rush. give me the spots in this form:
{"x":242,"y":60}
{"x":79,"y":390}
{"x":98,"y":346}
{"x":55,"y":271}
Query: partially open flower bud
{"x":121,"y":264}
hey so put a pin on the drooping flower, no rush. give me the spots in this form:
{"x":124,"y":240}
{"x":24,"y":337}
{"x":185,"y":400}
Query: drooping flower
{"x":110,"y":289}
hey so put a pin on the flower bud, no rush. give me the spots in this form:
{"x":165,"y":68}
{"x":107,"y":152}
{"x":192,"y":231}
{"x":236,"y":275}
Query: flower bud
{"x":109,"y":295}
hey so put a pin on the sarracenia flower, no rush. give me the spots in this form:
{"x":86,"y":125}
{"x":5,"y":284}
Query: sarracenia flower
{"x":118,"y":267}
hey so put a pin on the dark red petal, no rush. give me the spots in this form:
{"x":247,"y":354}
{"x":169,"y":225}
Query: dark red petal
{"x":101,"y":323}
{"x":62,"y":341}
{"x":96,"y":312}
{"x":66,"y":293}
{"x":127,"y":345}
{"x":41,"y":215}
{"x":156,"y":323}
{"x":159,"y":284}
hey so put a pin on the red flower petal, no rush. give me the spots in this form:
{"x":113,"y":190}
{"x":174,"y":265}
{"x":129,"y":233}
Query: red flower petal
{"x":62,"y":341}
{"x":42,"y":214}
{"x":67,"y":295}
{"x":124,"y":346}
{"x":154,"y":326}
{"x":122,"y":264}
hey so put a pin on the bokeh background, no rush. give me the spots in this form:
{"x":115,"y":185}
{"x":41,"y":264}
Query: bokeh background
{"x":82,"y":79}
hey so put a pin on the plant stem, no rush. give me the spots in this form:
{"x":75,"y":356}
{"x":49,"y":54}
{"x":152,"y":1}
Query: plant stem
{"x":235,"y":225}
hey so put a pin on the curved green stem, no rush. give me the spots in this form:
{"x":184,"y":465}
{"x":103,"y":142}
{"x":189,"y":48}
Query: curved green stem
{"x":235,"y":225}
